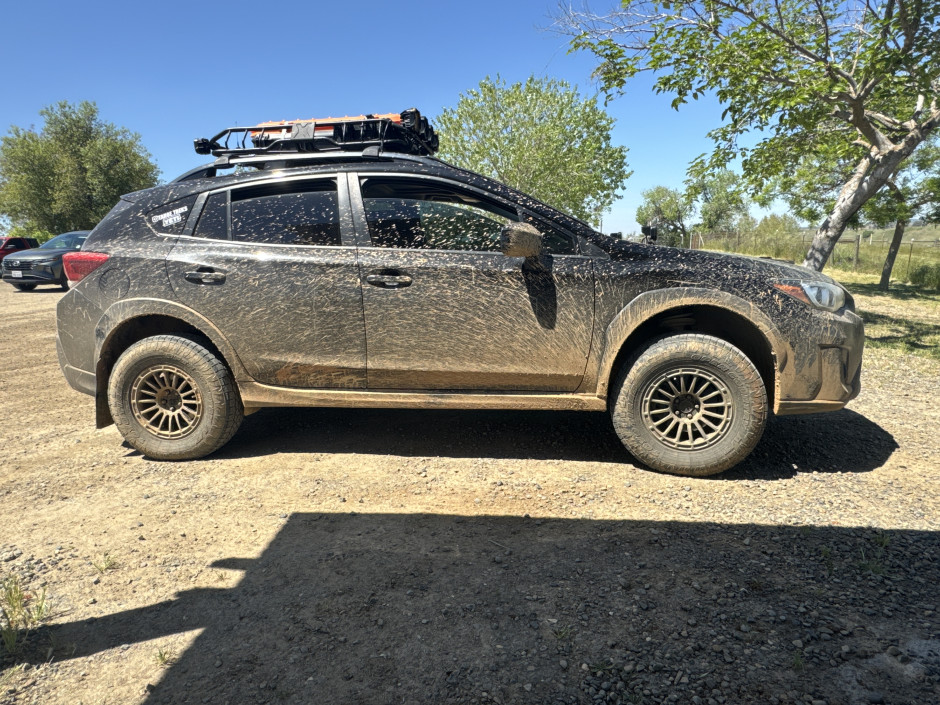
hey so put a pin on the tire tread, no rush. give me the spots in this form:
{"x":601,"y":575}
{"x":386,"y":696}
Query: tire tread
{"x":691,"y":347}
{"x":186,"y":349}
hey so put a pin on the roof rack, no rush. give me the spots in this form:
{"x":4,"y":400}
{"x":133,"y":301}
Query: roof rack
{"x":408,"y":132}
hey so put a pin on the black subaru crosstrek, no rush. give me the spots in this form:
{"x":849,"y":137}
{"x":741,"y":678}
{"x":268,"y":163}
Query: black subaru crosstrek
{"x":340,"y":264}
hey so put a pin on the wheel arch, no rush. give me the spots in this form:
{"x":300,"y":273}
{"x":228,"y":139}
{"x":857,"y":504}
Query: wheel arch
{"x":128,"y":322}
{"x":657,"y":314}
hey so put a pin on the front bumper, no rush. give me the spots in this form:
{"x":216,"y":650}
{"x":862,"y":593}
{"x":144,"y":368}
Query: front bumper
{"x":825,"y":370}
{"x":38,"y":274}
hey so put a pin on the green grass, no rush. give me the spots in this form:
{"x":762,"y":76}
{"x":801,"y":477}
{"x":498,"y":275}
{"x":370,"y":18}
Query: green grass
{"x":106,"y":563}
{"x":904,"y":319}
{"x":165,"y":657}
{"x":20,"y":613}
{"x":797,"y":660}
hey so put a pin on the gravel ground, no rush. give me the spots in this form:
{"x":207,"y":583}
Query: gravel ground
{"x":468,"y":557}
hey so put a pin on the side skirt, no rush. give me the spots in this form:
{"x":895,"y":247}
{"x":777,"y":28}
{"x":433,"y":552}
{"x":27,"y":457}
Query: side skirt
{"x":256,"y":395}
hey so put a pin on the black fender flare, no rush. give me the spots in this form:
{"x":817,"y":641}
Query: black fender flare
{"x":124,"y":312}
{"x":652,"y":303}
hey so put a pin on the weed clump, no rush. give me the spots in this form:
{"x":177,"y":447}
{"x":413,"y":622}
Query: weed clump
{"x":21,"y":612}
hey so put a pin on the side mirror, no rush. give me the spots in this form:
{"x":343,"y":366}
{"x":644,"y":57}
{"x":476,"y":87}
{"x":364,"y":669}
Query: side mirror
{"x":520,"y":240}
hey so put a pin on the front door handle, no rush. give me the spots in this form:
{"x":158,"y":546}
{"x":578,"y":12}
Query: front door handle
{"x":205,"y":275}
{"x":389,"y":281}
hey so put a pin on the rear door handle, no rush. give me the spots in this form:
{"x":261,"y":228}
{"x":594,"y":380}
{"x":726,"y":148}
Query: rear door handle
{"x":205,"y":275}
{"x":389,"y":281}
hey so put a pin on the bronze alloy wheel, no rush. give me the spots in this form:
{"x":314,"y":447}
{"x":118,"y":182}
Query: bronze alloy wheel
{"x":166,"y":401}
{"x":688,"y":408}
{"x":690,"y":404}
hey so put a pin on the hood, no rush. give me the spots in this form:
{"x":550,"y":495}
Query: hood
{"x":37,"y":253}
{"x":705,"y":261}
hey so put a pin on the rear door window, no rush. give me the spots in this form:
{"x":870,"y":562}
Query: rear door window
{"x":287,"y":213}
{"x":213,"y":221}
{"x":283,"y":213}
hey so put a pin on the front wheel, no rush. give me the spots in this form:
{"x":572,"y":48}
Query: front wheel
{"x":173,"y":399}
{"x":690,"y":405}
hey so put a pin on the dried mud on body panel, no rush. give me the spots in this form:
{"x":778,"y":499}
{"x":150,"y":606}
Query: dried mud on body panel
{"x":471,"y":320}
{"x":292,"y":314}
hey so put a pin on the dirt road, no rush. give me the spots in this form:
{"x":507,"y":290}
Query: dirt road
{"x":468,"y":557}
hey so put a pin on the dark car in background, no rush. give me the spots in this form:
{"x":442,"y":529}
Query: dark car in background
{"x":340,"y":264}
{"x":42,"y":265}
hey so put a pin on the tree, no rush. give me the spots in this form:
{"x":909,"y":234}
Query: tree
{"x":855,"y":78}
{"x":724,"y":205}
{"x":669,"y":210}
{"x":915,"y":187}
{"x":774,"y":232}
{"x":69,"y":175}
{"x":541,"y":137}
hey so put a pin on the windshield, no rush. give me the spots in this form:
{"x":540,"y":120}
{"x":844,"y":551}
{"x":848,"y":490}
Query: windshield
{"x":66,"y":241}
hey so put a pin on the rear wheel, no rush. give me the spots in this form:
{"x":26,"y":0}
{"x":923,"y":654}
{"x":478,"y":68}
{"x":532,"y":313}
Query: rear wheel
{"x":25,"y":287}
{"x":173,"y":399}
{"x":690,"y":405}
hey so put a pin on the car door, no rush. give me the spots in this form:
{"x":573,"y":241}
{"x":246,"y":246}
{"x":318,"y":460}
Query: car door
{"x":273,"y":266}
{"x":445,"y":309}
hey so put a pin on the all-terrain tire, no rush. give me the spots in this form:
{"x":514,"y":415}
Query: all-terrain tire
{"x":173,"y":399}
{"x":690,"y":405}
{"x":25,"y":287}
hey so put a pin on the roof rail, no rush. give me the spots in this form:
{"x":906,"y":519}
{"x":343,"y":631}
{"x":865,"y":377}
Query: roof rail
{"x":408,"y":132}
{"x":287,"y":160}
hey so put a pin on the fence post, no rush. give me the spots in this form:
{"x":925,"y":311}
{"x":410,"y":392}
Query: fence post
{"x":909,"y":253}
{"x":858,"y":241}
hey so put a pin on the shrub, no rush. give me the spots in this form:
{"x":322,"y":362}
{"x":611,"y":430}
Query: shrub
{"x":926,"y":275}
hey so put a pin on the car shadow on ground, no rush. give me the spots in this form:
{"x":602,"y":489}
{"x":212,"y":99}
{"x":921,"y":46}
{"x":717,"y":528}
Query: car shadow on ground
{"x":382,"y":608}
{"x":843,"y":441}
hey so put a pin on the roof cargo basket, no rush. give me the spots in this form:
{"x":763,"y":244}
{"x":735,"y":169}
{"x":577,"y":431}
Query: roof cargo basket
{"x":408,"y":132}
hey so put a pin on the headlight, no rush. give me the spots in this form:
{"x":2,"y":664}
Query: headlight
{"x":824,"y":295}
{"x":44,"y":262}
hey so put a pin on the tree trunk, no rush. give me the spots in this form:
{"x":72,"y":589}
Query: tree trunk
{"x":872,"y":172}
{"x":892,"y":254}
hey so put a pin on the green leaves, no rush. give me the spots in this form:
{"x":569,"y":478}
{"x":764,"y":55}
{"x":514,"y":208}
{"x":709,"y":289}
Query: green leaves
{"x":853,"y":82}
{"x":69,"y":175}
{"x":541,"y":137}
{"x":669,"y":210}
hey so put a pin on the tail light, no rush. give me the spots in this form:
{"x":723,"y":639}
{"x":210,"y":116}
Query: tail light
{"x":79,"y":265}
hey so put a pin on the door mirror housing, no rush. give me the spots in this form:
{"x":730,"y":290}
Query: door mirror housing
{"x":651,"y":232}
{"x":520,"y":240}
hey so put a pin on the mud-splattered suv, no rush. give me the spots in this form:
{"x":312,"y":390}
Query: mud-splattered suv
{"x":342,"y":265}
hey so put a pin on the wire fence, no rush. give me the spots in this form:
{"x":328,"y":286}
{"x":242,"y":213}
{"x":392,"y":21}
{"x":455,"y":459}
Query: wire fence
{"x":865,"y":252}
{"x":860,"y":253}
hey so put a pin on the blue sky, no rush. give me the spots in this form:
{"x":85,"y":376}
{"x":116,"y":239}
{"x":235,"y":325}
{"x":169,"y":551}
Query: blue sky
{"x":173,"y":71}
